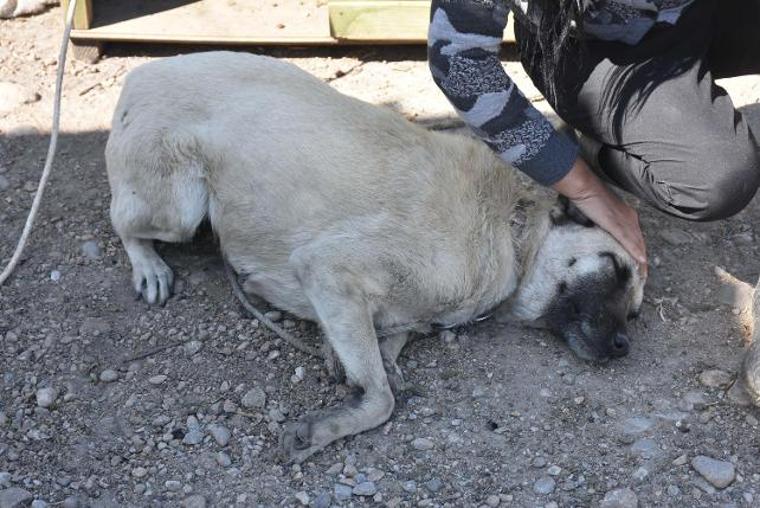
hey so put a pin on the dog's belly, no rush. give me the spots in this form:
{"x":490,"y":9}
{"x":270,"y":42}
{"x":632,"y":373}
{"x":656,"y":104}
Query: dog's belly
{"x":282,"y":289}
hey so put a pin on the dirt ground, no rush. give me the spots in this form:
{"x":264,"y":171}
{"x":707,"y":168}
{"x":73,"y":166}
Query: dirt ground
{"x":145,"y":405}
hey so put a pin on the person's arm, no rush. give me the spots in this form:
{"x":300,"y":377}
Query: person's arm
{"x":463,"y":53}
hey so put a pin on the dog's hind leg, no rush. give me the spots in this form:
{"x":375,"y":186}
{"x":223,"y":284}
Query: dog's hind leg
{"x":155,"y":195}
{"x":390,"y":348}
{"x":340,"y":303}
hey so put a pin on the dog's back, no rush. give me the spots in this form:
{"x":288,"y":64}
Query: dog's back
{"x":271,"y":153}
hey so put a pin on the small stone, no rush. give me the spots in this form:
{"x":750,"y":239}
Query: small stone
{"x":544,"y":485}
{"x":620,"y":498}
{"x":109,"y":376}
{"x":139,"y":472}
{"x":90,"y":249}
{"x":705,"y":487}
{"x":673,"y":491}
{"x":680,"y":460}
{"x":323,"y":500}
{"x":448,"y":337}
{"x":276,"y":415}
{"x":192,"y":347}
{"x":335,"y":468}
{"x":422,"y":443}
{"x":298,"y":376}
{"x":365,"y":489}
{"x":194,"y":436}
{"x":719,"y":473}
{"x":303,"y":498}
{"x":493,"y":501}
{"x":744,"y":238}
{"x":715,"y":378}
{"x":409,"y":486}
{"x":39,"y":503}
{"x":645,"y":448}
{"x":538,"y":462}
{"x":479,"y":391}
{"x":55,"y":275}
{"x":4,"y":183}
{"x":15,"y":497}
{"x":693,"y":400}
{"x":434,"y":485}
{"x":223,"y":459}
{"x":194,"y":501}
{"x":273,"y":315}
{"x":173,"y":485}
{"x":636,"y":425}
{"x":46,"y":396}
{"x":157,"y":380}
{"x":640,"y":474}
{"x":255,"y":398}
{"x":554,"y":470}
{"x":5,"y":479}
{"x":72,"y":502}
{"x":675,"y":236}
{"x":342,"y":492}
{"x":220,"y":433}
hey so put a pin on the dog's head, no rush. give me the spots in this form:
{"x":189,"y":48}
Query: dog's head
{"x":581,"y":285}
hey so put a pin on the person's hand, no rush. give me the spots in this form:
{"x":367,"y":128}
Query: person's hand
{"x":605,"y":209}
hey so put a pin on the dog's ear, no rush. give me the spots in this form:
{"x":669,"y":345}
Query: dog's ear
{"x":565,"y":211}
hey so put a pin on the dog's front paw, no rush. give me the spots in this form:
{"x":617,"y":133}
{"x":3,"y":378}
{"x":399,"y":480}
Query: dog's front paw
{"x":153,"y":279}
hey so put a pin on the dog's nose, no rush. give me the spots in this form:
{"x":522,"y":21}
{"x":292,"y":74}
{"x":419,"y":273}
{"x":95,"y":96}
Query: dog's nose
{"x":620,"y":344}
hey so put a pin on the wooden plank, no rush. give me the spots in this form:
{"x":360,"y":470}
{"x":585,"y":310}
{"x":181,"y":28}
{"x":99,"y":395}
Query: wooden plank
{"x":384,"y":20}
{"x":224,"y":21}
{"x":298,"y":22}
{"x":379,"y":20}
{"x":82,"y":14}
{"x":102,"y":34}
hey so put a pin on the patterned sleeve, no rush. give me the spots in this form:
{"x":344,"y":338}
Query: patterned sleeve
{"x":463,"y":54}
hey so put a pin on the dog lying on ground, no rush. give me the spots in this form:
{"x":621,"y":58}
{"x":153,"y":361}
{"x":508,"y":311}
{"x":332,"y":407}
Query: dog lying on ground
{"x":347,"y":214}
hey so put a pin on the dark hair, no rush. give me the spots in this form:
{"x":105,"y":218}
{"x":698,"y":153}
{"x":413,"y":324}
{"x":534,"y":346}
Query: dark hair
{"x":558,"y":23}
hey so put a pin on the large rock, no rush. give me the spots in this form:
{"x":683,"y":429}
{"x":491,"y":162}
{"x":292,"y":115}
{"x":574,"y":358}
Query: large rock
{"x":15,"y":497}
{"x":255,"y":398}
{"x":719,"y":473}
{"x":620,"y":498}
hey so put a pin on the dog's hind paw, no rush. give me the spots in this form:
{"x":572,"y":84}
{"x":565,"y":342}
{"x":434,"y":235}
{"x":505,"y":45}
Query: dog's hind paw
{"x":296,"y":441}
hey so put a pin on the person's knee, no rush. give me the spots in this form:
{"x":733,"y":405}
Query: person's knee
{"x":730,"y":179}
{"x":736,"y":177}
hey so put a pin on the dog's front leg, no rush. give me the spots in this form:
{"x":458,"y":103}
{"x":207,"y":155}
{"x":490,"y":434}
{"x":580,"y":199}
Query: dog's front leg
{"x":344,"y":313}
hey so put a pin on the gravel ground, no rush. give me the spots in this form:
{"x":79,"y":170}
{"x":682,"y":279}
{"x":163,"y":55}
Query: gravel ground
{"x":105,"y":401}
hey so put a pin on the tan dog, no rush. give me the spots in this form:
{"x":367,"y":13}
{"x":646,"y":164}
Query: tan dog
{"x":345,"y":213}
